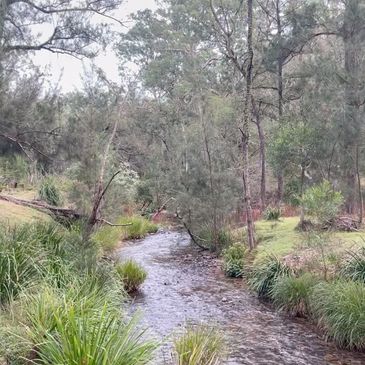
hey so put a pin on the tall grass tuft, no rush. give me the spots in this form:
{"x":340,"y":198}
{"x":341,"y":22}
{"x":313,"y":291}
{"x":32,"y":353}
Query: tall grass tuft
{"x":291,"y":294}
{"x":83,"y":340}
{"x":354,"y":266}
{"x":264,"y":276}
{"x":20,"y":262}
{"x":49,"y":192}
{"x":131,"y":274}
{"x":200,"y":345}
{"x":339,"y":308}
{"x":234,"y":260}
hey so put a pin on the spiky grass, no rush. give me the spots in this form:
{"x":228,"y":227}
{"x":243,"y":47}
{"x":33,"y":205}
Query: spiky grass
{"x":131,"y":274}
{"x":234,"y":260}
{"x":354,"y":266}
{"x":291,"y":294}
{"x":264,"y":276}
{"x":199,"y":345}
{"x":339,"y":309}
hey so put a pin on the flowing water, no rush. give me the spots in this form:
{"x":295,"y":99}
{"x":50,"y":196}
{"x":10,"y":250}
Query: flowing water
{"x":185,"y":285}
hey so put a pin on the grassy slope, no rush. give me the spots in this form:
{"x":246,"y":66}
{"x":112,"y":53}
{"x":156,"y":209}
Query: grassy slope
{"x":280,"y":238}
{"x":16,"y":214}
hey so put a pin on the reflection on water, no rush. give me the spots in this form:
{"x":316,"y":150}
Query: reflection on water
{"x":185,"y":285}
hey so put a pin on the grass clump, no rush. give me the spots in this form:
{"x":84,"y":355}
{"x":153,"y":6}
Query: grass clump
{"x":234,"y":260}
{"x":199,"y":345}
{"x":264,"y":276}
{"x":49,"y":192}
{"x":135,"y":227}
{"x":354,"y":266}
{"x":292,"y":294}
{"x":339,"y":308}
{"x":131,"y":274}
{"x":272,"y":214}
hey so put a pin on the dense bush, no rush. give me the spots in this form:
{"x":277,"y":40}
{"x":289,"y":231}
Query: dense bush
{"x":234,"y":260}
{"x":49,"y":192}
{"x":292,"y":294}
{"x":354,"y":266}
{"x":339,"y":308}
{"x":131,"y":274}
{"x":264,"y":276}
{"x":272,"y":213}
{"x":322,"y":202}
{"x":199,"y":345}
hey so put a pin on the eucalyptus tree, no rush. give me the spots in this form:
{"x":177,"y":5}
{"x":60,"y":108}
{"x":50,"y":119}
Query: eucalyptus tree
{"x":191,"y":135}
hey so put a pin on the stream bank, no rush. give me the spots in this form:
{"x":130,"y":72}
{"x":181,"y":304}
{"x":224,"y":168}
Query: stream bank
{"x":186,"y":285}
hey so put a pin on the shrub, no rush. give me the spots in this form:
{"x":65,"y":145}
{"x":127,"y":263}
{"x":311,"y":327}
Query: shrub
{"x":49,"y":192}
{"x":292,"y":294}
{"x":131,"y":274}
{"x":272,"y":213}
{"x":215,"y":241}
{"x":322,"y":202}
{"x":354,"y":266}
{"x":199,"y":345}
{"x":80,"y":340}
{"x":339,"y":308}
{"x":264,"y":276}
{"x":234,"y":260}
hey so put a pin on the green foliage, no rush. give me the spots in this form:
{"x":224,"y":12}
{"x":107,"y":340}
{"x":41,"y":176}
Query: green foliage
{"x":272,"y":213}
{"x":49,"y":192}
{"x":354,"y":267}
{"x":33,"y":253}
{"x":292,"y":294}
{"x":265,"y":274}
{"x":80,"y":340}
{"x":215,"y":241}
{"x":131,"y":274}
{"x":15,"y":167}
{"x":135,"y":227}
{"x":339,"y":308}
{"x":322,"y":202}
{"x":199,"y":345}
{"x":234,"y":260}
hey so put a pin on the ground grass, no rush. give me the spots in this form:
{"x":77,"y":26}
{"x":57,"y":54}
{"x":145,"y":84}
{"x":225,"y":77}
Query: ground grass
{"x":60,"y":303}
{"x":108,"y":237}
{"x":280,"y":239}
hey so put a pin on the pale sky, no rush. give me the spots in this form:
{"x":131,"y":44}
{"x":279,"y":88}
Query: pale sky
{"x":68,"y":69}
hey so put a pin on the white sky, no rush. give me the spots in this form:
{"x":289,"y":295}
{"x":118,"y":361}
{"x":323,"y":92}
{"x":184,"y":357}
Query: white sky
{"x":68,"y":70}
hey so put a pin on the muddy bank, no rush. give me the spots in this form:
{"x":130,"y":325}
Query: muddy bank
{"x":185,"y":285}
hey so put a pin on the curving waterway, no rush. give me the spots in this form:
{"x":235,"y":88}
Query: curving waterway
{"x":185,"y":285}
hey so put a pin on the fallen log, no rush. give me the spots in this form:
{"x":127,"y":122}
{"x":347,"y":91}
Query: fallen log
{"x":62,"y":215}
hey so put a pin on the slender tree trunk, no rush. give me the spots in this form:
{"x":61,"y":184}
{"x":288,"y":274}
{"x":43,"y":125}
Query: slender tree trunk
{"x":280,"y":89}
{"x":100,"y":190}
{"x":361,"y":200}
{"x":262,"y":143}
{"x":351,"y":35}
{"x":245,"y":130}
{"x":302,"y":177}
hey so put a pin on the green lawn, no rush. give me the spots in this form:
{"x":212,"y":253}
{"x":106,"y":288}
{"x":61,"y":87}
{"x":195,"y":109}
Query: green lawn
{"x":280,"y":238}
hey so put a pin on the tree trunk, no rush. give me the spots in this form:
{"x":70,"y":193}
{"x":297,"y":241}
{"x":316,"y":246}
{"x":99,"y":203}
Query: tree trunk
{"x":351,"y":35}
{"x":361,"y":200}
{"x":245,"y":130}
{"x":280,"y":188}
{"x":262,"y":143}
{"x":100,"y":190}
